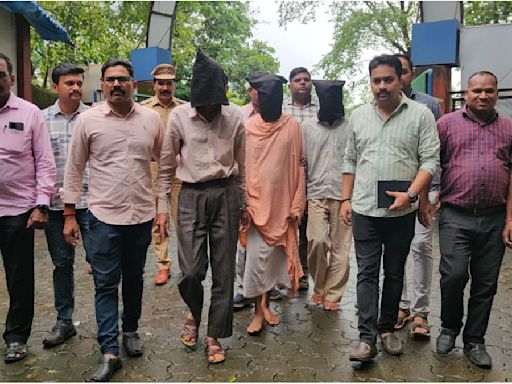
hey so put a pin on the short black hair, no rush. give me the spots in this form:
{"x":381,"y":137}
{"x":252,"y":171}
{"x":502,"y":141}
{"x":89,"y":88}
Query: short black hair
{"x":484,"y":73}
{"x":298,"y":70}
{"x":10,"y":67}
{"x":409,"y":60}
{"x":114,"y":63}
{"x":389,"y":60}
{"x":66,"y":69}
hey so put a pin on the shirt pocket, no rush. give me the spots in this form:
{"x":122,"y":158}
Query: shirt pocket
{"x":224,"y":153}
{"x":12,"y":140}
{"x":55,"y":141}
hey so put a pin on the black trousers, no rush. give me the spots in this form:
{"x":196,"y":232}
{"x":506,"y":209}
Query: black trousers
{"x":17,"y":248}
{"x":371,"y":234}
{"x":469,"y":245}
{"x":208,"y":218}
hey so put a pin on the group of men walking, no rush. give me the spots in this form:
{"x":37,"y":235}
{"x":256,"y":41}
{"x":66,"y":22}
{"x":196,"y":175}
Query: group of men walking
{"x":271,"y":192}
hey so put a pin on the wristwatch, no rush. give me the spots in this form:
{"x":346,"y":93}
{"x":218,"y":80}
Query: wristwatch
{"x":43,"y":208}
{"x":413,"y":196}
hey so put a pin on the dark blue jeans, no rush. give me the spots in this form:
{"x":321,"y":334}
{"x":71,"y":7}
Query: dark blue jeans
{"x":63,"y":258}
{"x":115,"y":251}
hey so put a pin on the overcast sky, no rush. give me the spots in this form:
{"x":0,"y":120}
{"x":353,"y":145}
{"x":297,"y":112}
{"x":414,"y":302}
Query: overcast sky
{"x":298,"y":45}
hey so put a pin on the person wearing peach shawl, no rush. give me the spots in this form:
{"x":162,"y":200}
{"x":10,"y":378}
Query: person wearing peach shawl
{"x":275,"y":197}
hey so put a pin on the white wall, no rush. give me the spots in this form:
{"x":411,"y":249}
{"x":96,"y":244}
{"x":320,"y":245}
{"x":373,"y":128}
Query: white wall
{"x":8,"y":37}
{"x":486,"y":48}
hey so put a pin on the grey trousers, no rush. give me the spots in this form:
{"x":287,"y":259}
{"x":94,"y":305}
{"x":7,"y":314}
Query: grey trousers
{"x":421,"y":255}
{"x":208,"y":218}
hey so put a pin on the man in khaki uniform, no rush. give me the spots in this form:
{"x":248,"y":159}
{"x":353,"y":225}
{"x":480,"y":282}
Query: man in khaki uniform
{"x":163,"y":102}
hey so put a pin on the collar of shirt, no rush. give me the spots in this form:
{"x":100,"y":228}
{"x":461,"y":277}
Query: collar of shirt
{"x":12,"y":103}
{"x":404,"y":103}
{"x":107,"y":110}
{"x":55,"y":109}
{"x":336,"y":123}
{"x":154,"y":101}
{"x":467,"y":114}
{"x":193,"y":113}
{"x":312,"y":101}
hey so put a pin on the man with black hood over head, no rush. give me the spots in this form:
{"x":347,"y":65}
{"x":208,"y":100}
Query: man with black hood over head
{"x":208,"y":133}
{"x":324,"y":139}
{"x":275,"y":193}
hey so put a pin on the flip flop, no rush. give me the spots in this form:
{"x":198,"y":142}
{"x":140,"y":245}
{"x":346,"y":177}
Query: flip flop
{"x":15,"y":351}
{"x":189,"y":333}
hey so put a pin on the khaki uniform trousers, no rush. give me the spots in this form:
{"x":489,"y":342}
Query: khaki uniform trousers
{"x":161,"y":248}
{"x":329,"y":240}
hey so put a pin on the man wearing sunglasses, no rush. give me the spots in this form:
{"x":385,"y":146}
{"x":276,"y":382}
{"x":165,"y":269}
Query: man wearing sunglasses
{"x":163,"y":102}
{"x":119,"y":138}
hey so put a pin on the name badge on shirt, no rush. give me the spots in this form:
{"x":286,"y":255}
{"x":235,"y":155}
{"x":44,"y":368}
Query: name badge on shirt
{"x":16,"y":126}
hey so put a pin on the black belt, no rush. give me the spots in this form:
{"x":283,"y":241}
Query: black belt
{"x":210,"y":183}
{"x":477,"y":211}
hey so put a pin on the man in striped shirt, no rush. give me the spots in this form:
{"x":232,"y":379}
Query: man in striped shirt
{"x":474,"y":225}
{"x":392,"y":140}
{"x":61,"y":117}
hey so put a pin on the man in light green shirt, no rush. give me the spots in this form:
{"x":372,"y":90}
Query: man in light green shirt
{"x":393,"y":140}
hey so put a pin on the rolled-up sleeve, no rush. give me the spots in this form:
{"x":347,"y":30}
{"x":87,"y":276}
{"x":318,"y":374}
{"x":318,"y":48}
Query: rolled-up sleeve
{"x":350,"y":158}
{"x":167,"y":164}
{"x":46,"y":171}
{"x":78,"y":155}
{"x":428,"y":149}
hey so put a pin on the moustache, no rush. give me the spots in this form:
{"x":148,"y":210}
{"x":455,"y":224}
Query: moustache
{"x":117,"y":89}
{"x":383,"y":92}
{"x":75,"y":93}
{"x":165,"y":92}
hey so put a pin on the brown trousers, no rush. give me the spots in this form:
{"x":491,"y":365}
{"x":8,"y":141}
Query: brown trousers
{"x":208,"y":220}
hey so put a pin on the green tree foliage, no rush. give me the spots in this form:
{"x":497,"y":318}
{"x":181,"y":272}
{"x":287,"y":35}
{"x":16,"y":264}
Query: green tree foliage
{"x":487,"y":12}
{"x":103,"y":29}
{"x":99,"y":30}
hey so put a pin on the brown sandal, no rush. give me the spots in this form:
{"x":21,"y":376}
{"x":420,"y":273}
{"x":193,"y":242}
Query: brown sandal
{"x":189,"y":333}
{"x":403,"y":318}
{"x":420,"y":331}
{"x":214,"y":348}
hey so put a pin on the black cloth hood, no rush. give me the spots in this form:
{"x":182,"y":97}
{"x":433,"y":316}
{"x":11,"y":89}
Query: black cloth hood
{"x":330,"y":96}
{"x":208,"y":82}
{"x":270,"y":94}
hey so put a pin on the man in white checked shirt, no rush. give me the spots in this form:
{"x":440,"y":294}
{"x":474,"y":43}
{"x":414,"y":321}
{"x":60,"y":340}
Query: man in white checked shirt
{"x":61,"y":118}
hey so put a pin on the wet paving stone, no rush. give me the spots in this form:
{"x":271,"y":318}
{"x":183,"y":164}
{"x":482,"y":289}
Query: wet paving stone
{"x":308,"y":345}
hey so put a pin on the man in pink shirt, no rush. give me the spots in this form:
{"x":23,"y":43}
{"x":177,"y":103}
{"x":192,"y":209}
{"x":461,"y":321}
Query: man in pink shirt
{"x":119,"y":138}
{"x":27,"y":176}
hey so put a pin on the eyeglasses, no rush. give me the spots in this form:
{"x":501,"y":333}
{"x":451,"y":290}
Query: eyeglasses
{"x":121,"y":79}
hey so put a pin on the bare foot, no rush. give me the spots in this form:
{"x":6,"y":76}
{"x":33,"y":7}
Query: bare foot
{"x":317,"y":298}
{"x":256,"y":325}
{"x":270,"y":317}
{"x":331,"y":306}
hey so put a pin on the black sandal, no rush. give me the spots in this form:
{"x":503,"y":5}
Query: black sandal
{"x":15,"y":351}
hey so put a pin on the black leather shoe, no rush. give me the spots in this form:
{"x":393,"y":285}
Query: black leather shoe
{"x":478,"y":355}
{"x":392,"y":344}
{"x":106,"y":369}
{"x":133,"y":344}
{"x":363,"y":352}
{"x":445,"y":341}
{"x":59,"y":334}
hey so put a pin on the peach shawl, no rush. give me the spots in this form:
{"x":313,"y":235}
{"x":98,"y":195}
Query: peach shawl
{"x":276,"y":185}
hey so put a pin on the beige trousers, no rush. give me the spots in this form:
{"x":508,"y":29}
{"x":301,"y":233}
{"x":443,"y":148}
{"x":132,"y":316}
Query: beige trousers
{"x":329,"y":242}
{"x":161,"y":247}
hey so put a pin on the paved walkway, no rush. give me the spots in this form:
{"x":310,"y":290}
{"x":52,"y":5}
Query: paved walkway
{"x":308,"y":345}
